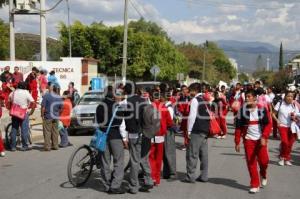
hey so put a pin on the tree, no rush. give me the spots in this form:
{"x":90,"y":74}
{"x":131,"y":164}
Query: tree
{"x":217,"y":63}
{"x":4,"y":40}
{"x":281,"y":62}
{"x":243,"y":77}
{"x":148,"y":45}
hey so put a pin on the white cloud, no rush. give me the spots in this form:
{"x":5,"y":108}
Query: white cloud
{"x":257,"y":20}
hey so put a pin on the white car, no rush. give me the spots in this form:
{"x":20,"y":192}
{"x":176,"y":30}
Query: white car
{"x":83,"y":118}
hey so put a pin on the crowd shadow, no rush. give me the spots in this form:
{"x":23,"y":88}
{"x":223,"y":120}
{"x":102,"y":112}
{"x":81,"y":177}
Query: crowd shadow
{"x":228,"y":183}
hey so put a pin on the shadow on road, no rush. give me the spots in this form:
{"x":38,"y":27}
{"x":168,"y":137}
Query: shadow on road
{"x":228,"y":183}
{"x":233,"y":154}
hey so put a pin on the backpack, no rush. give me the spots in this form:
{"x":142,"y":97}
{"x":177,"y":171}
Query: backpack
{"x":150,"y":121}
{"x":276,"y":99}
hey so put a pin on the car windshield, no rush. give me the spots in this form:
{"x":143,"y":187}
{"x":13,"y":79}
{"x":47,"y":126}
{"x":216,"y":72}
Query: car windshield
{"x":91,"y":98}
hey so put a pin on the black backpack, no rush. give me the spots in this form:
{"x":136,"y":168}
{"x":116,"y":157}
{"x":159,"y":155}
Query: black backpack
{"x":276,"y":99}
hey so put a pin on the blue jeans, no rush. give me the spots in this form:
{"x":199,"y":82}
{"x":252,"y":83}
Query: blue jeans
{"x":64,"y":140}
{"x":16,"y":124}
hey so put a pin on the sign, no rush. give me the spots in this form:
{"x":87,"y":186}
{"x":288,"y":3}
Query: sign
{"x":155,"y":70}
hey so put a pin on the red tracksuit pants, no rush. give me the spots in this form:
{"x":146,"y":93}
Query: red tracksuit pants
{"x":183,"y":127}
{"x":222,"y":123}
{"x":275,"y":129}
{"x":256,"y":155}
{"x":287,"y":141}
{"x":156,"y":159}
{"x":1,"y":144}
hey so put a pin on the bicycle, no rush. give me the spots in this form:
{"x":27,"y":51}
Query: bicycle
{"x":8,"y":131}
{"x":84,"y":158}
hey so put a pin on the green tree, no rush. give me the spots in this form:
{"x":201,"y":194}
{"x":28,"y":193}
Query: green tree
{"x":281,"y":62}
{"x":243,"y":77}
{"x":4,"y":40}
{"x":147,"y":46}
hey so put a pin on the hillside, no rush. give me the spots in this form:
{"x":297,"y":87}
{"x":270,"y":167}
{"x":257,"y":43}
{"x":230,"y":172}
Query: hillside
{"x":28,"y":47}
{"x":246,"y":53}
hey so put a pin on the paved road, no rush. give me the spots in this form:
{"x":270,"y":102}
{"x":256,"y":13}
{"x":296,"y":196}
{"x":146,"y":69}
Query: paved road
{"x":36,"y":174}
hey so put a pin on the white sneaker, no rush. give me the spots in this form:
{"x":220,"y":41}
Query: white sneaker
{"x":2,"y":154}
{"x":288,"y":163}
{"x":254,"y":190}
{"x":223,"y":137}
{"x":264,"y":182}
{"x":281,"y":163}
{"x":218,"y":137}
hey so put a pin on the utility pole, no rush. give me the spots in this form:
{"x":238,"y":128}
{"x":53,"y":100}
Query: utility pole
{"x":43,"y":31}
{"x":69,"y":26}
{"x":204,"y":60}
{"x":124,"y":65}
{"x":12,"y":51}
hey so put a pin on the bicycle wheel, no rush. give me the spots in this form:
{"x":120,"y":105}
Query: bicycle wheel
{"x":80,"y":166}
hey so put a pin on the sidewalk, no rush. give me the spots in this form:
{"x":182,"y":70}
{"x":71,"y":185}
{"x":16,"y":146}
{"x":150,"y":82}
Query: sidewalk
{"x":35,"y":124}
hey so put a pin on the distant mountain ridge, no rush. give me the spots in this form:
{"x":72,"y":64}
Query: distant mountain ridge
{"x":246,"y":53}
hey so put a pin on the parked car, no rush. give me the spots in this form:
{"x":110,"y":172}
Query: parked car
{"x":83,"y":118}
{"x":144,"y":85}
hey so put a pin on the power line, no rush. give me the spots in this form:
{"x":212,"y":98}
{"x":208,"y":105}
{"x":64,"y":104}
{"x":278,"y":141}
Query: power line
{"x":136,"y":9}
{"x":50,"y":9}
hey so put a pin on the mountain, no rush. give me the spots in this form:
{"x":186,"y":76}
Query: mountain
{"x":246,"y":53}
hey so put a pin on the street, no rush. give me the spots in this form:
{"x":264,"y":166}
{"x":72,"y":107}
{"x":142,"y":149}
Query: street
{"x":36,"y":174}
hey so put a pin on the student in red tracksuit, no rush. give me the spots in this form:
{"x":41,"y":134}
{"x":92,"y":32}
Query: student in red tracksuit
{"x":220,"y":110}
{"x":2,"y":150}
{"x":157,"y":146}
{"x":32,"y":83}
{"x":236,"y":99}
{"x":284,"y":115}
{"x":253,"y":125}
{"x":184,"y":108}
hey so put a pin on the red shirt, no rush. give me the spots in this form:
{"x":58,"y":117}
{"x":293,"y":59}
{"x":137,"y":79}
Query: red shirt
{"x":18,"y":77}
{"x":65,"y":115}
{"x":166,"y":120}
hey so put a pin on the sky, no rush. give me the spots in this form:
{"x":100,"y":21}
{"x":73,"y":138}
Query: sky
{"x":271,"y":21}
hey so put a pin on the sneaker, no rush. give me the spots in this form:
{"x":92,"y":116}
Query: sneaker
{"x":2,"y":154}
{"x":183,"y":148}
{"x":223,"y":137}
{"x":288,"y":163}
{"x":281,"y":163}
{"x":264,"y":182}
{"x":254,"y":190}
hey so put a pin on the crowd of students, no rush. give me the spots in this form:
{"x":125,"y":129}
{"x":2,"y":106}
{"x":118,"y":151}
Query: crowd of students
{"x":257,"y":113}
{"x":21,"y":96}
